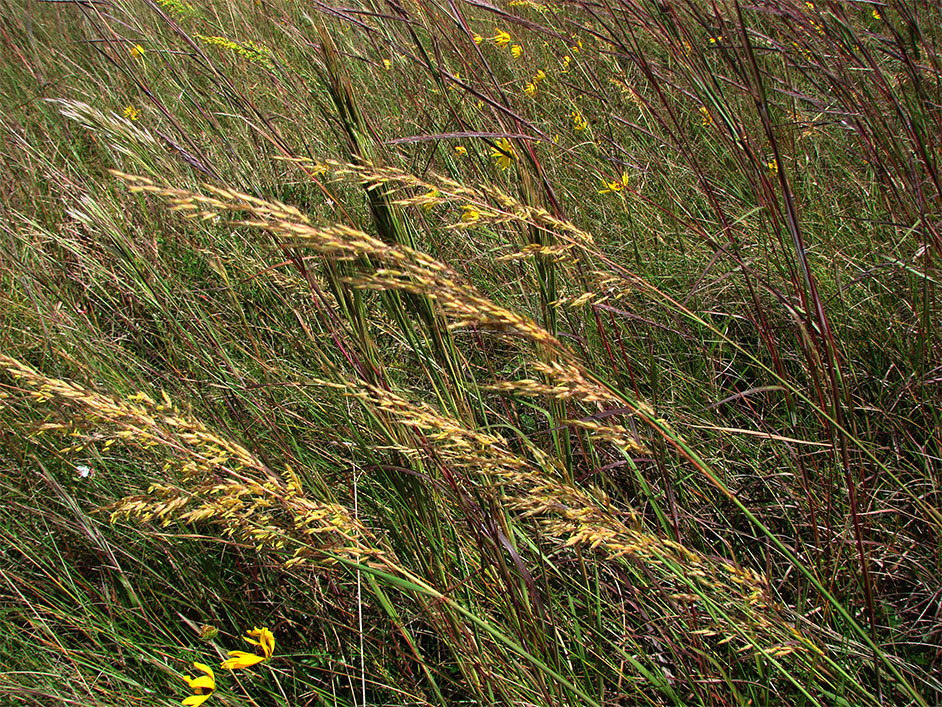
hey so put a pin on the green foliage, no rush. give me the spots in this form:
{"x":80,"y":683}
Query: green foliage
{"x":553,"y":354}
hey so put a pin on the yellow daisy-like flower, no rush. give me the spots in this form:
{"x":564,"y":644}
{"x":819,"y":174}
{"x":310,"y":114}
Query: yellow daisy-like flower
{"x":616,"y":186}
{"x":131,"y":113}
{"x":504,"y":153}
{"x":876,"y":14}
{"x":137,"y":51}
{"x":431,"y":198}
{"x":461,"y":151}
{"x":539,"y":76}
{"x":477,"y":38}
{"x":203,"y":686}
{"x":530,"y":89}
{"x":772,"y":166}
{"x":502,"y":38}
{"x":387,"y":64}
{"x":261,"y":637}
{"x":470,"y":214}
{"x":705,"y":116}
{"x":516,"y":50}
{"x":578,"y":122}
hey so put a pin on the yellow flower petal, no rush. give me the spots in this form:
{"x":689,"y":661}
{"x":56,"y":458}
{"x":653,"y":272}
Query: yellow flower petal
{"x":202,"y":683}
{"x":241,"y":659}
{"x":203,"y":686}
{"x":266,"y":640}
{"x":206,"y":669}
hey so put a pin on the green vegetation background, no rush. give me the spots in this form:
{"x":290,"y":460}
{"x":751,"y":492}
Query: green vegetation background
{"x":579,"y":353}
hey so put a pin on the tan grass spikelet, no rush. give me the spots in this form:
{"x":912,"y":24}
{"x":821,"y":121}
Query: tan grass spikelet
{"x":270,"y":512}
{"x":138,"y":420}
{"x":494,"y":205}
{"x":412,"y":271}
{"x":576,"y":517}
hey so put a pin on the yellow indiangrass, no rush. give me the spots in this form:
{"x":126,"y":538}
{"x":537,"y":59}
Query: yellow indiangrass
{"x":203,"y":686}
{"x":261,"y":637}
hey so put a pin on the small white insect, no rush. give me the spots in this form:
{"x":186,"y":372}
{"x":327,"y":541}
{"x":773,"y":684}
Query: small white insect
{"x":84,"y":471}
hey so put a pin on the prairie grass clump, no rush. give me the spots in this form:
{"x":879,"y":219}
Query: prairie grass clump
{"x":532,"y":353}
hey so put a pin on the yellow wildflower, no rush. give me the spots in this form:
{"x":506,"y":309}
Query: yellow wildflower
{"x":240,"y":659}
{"x":567,"y":60}
{"x":504,"y":153}
{"x":530,"y":89}
{"x":809,"y":5}
{"x":261,"y":637}
{"x":470,"y":214}
{"x":716,"y":40}
{"x":577,"y":46}
{"x":461,"y":151}
{"x":131,"y":113}
{"x":387,"y":64}
{"x":203,"y":686}
{"x":616,"y":186}
{"x":539,"y":76}
{"x":502,"y":38}
{"x":876,"y":14}
{"x":578,"y":122}
{"x":477,"y":38}
{"x":431,"y":198}
{"x":772,"y":166}
{"x":137,"y":51}
{"x":705,"y":117}
{"x":516,"y":50}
